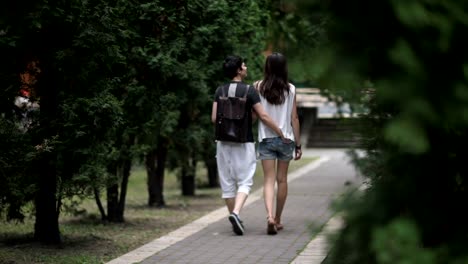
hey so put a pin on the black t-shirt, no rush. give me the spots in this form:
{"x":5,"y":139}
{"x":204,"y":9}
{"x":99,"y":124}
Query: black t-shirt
{"x":252,"y":99}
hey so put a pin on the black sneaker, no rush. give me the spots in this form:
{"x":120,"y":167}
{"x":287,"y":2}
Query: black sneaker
{"x":242,"y":224}
{"x":237,"y":225}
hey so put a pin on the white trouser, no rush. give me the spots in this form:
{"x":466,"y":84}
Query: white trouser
{"x":236,"y":167}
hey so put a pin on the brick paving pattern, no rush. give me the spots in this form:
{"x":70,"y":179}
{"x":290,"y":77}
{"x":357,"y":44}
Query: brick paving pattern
{"x":307,"y":207}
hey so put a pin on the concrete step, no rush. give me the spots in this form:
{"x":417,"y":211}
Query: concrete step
{"x":332,"y":133}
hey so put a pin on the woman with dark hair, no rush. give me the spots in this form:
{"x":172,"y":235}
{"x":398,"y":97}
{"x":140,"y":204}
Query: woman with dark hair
{"x":278,"y":98}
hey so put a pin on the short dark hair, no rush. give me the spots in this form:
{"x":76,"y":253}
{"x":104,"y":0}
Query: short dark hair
{"x":231,"y":64}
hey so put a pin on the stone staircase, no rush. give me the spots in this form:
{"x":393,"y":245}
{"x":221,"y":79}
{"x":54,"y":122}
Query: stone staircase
{"x":332,"y":133}
{"x":321,"y":125}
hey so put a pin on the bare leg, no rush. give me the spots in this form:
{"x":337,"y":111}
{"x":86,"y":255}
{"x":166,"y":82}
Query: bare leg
{"x":236,"y":204}
{"x":269,"y":185}
{"x":269,"y":193}
{"x":282,"y":179}
{"x":239,"y":202}
{"x":230,"y":204}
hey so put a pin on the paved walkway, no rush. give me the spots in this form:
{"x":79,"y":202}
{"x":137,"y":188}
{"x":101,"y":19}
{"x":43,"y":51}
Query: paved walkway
{"x":210,"y":239}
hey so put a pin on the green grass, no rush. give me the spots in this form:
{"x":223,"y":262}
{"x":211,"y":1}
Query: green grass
{"x":88,"y":240}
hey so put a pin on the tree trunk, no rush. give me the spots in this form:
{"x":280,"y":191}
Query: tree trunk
{"x":212,"y":172}
{"x":152,"y":178}
{"x":120,"y":170}
{"x":188,"y":179}
{"x":113,"y":204}
{"x":46,"y":227}
{"x":125,"y":171}
{"x":97,"y":198}
{"x":155,"y":167}
{"x":116,"y":203}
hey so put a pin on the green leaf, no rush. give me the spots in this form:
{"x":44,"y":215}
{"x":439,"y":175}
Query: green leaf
{"x":407,"y":134}
{"x":399,"y":243}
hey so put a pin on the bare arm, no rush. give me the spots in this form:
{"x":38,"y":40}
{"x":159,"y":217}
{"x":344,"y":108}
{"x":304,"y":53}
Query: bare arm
{"x":213,"y":112}
{"x":254,"y":114}
{"x":296,"y":130}
{"x":262,"y":115}
{"x":254,"y":117}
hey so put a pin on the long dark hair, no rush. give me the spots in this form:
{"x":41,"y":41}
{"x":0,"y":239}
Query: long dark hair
{"x":275,"y":81}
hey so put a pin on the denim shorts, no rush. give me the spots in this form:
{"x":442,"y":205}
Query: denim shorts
{"x":274,"y":148}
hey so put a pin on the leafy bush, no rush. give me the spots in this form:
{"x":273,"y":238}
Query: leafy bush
{"x":407,"y":60}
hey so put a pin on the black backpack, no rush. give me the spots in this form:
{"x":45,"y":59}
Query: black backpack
{"x":231,"y":118}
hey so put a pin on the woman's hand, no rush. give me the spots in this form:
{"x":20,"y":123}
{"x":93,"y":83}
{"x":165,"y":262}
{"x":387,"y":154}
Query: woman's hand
{"x":285,"y":140}
{"x":298,"y":152}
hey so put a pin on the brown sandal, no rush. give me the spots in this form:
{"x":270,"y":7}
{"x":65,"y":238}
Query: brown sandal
{"x":271,"y":227}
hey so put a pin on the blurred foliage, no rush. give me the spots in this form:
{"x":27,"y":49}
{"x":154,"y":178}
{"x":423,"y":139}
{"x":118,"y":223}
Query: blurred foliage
{"x":405,"y":61}
{"x":298,"y":35}
{"x":399,"y":243}
{"x":114,"y":79}
{"x":69,"y":52}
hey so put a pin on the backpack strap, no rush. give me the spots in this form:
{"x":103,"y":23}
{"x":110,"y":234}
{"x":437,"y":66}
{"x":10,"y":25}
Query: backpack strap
{"x":246,"y":91}
{"x":232,"y":90}
{"x":223,"y":92}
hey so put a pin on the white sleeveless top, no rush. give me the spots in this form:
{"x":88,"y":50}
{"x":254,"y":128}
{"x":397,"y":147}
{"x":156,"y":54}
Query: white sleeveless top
{"x":281,"y":114}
